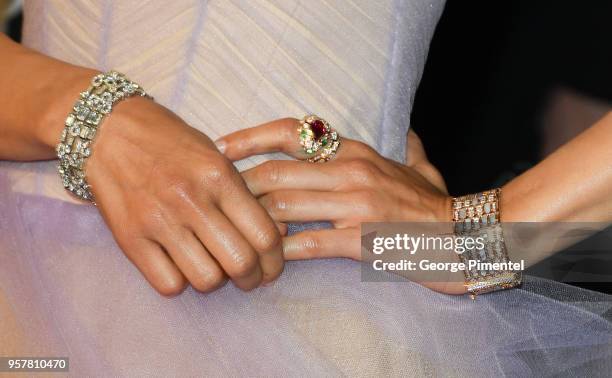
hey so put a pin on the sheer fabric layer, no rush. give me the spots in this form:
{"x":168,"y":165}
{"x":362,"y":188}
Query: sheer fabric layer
{"x":225,"y":65}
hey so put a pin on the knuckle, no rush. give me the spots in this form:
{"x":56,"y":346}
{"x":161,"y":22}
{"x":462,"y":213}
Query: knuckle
{"x":177,"y":191}
{"x":367,"y":197}
{"x":246,"y":145}
{"x":311,"y":244}
{"x":243,"y":265}
{"x":267,"y":240}
{"x":177,"y":186}
{"x":288,"y":131}
{"x":215,"y":171}
{"x":151,"y":220}
{"x":362,"y":171}
{"x":274,"y":272}
{"x":270,"y":171}
{"x":208,"y":280}
{"x":274,"y":203}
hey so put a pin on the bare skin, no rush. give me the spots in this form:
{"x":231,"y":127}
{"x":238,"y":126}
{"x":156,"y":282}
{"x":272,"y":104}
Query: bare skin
{"x":173,"y":212}
{"x":180,"y":225}
{"x":571,"y":185}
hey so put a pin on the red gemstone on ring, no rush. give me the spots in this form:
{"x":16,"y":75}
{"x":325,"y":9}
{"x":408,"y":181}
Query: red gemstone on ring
{"x":318,"y":128}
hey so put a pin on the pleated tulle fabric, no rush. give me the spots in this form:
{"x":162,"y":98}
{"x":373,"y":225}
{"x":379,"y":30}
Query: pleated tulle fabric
{"x":228,"y":64}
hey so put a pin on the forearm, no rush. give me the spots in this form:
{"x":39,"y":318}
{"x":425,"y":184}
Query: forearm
{"x":571,"y":185}
{"x":36,"y":94}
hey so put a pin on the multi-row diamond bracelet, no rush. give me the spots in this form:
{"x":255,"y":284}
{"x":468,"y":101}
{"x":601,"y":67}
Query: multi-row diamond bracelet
{"x":82,"y":123}
{"x":478,"y":216}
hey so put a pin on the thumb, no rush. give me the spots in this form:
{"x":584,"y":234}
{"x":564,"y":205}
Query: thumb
{"x":415,"y":151}
{"x":416,"y":158}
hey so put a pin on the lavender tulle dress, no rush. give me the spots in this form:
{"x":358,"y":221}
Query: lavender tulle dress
{"x":224,"y":65}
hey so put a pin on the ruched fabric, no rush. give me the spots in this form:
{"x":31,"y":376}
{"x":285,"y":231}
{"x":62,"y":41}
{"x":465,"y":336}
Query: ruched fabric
{"x":225,"y":65}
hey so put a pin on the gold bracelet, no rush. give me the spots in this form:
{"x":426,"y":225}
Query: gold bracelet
{"x":82,"y":123}
{"x":489,"y":268}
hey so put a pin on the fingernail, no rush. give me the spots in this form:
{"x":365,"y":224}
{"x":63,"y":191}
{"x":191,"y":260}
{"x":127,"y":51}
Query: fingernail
{"x":221,"y":145}
{"x":268,"y":284}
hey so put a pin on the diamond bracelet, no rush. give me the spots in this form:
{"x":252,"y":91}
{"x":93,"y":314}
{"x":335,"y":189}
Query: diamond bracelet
{"x":81,"y":125}
{"x":487,"y":268}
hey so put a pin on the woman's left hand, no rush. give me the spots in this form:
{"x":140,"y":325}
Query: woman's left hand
{"x":357,"y":185}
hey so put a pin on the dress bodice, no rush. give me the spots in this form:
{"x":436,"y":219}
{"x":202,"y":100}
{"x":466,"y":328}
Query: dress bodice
{"x":223,"y":65}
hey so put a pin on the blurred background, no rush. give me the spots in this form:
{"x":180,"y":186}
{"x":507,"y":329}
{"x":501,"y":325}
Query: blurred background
{"x":506,"y":83}
{"x":511,"y":81}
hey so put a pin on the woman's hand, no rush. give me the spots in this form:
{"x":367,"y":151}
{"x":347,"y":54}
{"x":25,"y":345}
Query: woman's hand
{"x":358,"y":185}
{"x":176,"y":206}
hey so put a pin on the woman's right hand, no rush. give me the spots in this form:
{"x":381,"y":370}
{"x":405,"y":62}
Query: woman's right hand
{"x":176,"y":206}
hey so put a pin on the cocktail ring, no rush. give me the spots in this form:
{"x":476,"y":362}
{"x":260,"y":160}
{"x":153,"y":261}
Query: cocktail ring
{"x":318,"y":139}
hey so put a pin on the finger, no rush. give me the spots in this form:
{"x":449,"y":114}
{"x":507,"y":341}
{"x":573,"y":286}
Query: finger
{"x":197,"y":265}
{"x":416,"y":158}
{"x":256,"y":225}
{"x":156,"y":266}
{"x":283,"y":229}
{"x":227,"y":245}
{"x":311,"y":206}
{"x":431,"y":174}
{"x":284,"y":174}
{"x":282,"y":136}
{"x":415,"y":151}
{"x":277,"y":136}
{"x":276,"y":175}
{"x":327,"y":243}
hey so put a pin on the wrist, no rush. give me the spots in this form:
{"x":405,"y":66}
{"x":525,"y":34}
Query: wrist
{"x":519,"y":202}
{"x":60,"y":93}
{"x":443,"y":209}
{"x":82,"y":124}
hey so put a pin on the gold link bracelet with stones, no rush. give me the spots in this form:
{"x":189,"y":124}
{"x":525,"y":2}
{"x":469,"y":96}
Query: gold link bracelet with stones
{"x":478,"y":215}
{"x":81,"y":126}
